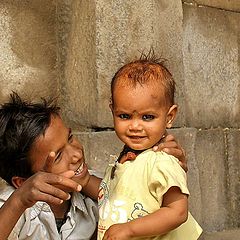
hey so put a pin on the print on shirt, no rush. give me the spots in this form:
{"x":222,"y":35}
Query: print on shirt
{"x":138,"y":211}
{"x":116,"y":210}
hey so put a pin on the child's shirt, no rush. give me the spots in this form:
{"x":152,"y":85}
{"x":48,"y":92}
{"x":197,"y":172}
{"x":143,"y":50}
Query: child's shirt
{"x":137,"y":190}
{"x":38,"y":222}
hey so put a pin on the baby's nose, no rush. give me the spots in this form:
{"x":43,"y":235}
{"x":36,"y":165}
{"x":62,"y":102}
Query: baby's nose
{"x":135,"y":125}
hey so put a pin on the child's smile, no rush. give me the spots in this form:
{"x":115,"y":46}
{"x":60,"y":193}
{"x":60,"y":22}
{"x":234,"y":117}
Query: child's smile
{"x":140,"y":114}
{"x":68,"y":151}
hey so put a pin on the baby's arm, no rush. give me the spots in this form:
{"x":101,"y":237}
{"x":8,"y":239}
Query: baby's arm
{"x":167,"y":218}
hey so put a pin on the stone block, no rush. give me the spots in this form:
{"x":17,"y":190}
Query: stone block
{"x":224,"y":235}
{"x":98,"y":148}
{"x":187,"y":139}
{"x":233,"y":170}
{"x":211,"y":163}
{"x":76,"y":27}
{"x":28,"y":53}
{"x":213,"y":176}
{"x":231,"y":5}
{"x":211,"y":66}
{"x":102,"y":36}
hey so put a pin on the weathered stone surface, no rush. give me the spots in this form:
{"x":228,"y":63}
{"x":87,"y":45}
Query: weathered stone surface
{"x":77,"y":62}
{"x":99,"y":146}
{"x":211,"y":66}
{"x":187,"y":139}
{"x":95,"y":38}
{"x":106,"y":36}
{"x":232,"y":5}
{"x":224,"y":235}
{"x":211,"y":163}
{"x":27,"y":46}
{"x":233,"y":168}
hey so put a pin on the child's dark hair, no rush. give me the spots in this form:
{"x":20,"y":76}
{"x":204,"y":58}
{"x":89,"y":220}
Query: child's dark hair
{"x":143,"y":70}
{"x":21,"y":123}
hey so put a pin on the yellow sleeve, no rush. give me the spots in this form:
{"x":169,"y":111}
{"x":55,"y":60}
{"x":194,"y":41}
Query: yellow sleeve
{"x":164,"y":173}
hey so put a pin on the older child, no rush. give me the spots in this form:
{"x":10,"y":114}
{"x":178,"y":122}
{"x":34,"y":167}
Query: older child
{"x":146,"y":198}
{"x":33,"y":139}
{"x":42,"y":161}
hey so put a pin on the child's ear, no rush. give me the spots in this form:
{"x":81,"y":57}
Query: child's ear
{"x":171,"y":115}
{"x":111,"y":106}
{"x":18,"y":181}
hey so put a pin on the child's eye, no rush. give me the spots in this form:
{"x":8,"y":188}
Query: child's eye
{"x":124,"y":116}
{"x":148,"y":117}
{"x":70,"y":138}
{"x":58,"y":157}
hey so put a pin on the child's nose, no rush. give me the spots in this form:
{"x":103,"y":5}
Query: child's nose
{"x":75,"y":154}
{"x":135,"y":125}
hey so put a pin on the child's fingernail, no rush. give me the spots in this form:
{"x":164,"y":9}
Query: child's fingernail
{"x":52,"y":154}
{"x":165,"y":150}
{"x":69,"y":196}
{"x":79,"y":188}
{"x":155,"y":148}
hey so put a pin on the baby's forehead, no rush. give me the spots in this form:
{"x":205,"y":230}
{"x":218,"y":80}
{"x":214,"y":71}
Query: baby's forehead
{"x":145,"y":82}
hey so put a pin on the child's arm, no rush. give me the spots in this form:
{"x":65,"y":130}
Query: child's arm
{"x":92,"y":187}
{"x":39,"y":187}
{"x":167,"y":218}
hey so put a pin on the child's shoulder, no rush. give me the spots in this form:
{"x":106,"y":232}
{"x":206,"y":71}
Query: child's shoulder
{"x":160,"y":159}
{"x":159,"y":155}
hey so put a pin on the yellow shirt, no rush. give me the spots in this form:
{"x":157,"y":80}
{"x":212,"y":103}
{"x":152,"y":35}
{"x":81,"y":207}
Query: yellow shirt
{"x":137,"y":190}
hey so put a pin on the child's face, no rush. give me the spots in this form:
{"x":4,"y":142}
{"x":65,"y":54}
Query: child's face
{"x":68,"y":151}
{"x":140,"y":115}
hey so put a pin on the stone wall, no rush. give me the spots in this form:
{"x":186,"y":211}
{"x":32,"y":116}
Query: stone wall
{"x":71,"y":49}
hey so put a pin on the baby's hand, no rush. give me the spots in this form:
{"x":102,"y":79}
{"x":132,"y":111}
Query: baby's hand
{"x":170,"y":145}
{"x":121,"y":231}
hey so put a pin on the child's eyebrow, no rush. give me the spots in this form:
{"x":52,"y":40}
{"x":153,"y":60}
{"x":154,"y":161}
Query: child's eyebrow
{"x":60,"y":149}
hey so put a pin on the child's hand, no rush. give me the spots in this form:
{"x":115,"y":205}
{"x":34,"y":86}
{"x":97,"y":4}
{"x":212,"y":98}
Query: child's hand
{"x":40,"y":187}
{"x":172,"y":147}
{"x":46,"y":186}
{"x":121,"y":231}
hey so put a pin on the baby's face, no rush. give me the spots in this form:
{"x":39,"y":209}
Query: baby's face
{"x":68,"y":151}
{"x":140,"y":115}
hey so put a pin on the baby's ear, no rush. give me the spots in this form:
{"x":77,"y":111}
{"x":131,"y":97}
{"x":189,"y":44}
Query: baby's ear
{"x":171,"y":115}
{"x":111,"y":105}
{"x":18,"y":181}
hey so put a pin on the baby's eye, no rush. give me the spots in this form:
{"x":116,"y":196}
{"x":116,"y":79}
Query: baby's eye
{"x":148,"y":117}
{"x":124,"y":116}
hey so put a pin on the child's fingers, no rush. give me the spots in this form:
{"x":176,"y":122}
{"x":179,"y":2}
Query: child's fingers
{"x":62,"y":181}
{"x":51,"y":199}
{"x":49,"y":162}
{"x":68,"y":174}
{"x":41,"y":179}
